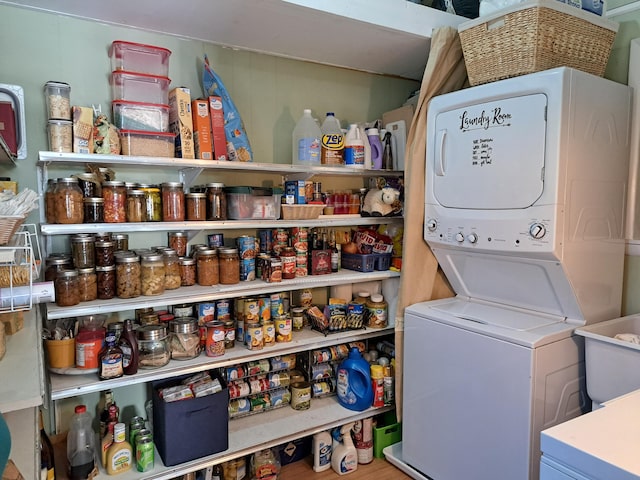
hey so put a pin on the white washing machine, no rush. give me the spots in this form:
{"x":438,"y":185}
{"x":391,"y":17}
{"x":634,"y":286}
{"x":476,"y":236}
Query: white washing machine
{"x":525,"y":191}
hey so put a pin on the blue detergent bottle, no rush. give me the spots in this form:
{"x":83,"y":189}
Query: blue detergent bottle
{"x":354,"y":387}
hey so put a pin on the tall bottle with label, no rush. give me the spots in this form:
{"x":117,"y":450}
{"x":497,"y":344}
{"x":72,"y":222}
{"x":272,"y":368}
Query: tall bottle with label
{"x":354,"y":147}
{"x":80,"y":445}
{"x":307,"y":138}
{"x":332,"y":152}
{"x":376,"y":148}
{"x":128,"y":343}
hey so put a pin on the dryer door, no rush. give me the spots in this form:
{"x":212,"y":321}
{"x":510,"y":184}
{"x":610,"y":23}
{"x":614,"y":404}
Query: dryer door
{"x":490,"y":155}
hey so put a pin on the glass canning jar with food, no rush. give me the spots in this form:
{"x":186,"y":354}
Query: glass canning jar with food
{"x":128,"y":273}
{"x":67,"y":289}
{"x":229,"y":266}
{"x":104,"y":253}
{"x":152,"y":274}
{"x":173,"y":208}
{"x":135,"y":206}
{"x":172,"y":278}
{"x":115,"y":197}
{"x":106,"y":279}
{"x":152,"y":203}
{"x":50,"y":201}
{"x":87,"y":284}
{"x":207,"y":267}
{"x":216,"y":201}
{"x":67,"y":202}
{"x":187,"y":271}
{"x":121,"y":241}
{"x":55,"y":264}
{"x":93,"y":209}
{"x":196,"y":206}
{"x":178,"y":242}
{"x":153,"y":346}
{"x":83,"y":251}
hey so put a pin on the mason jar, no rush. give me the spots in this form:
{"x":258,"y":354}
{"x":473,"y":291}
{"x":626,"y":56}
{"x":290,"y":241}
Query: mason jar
{"x":67,"y":202}
{"x":135,"y":206}
{"x":115,"y":198}
{"x":87,"y":284}
{"x":171,"y":269}
{"x":93,"y":209}
{"x":153,"y":346}
{"x":67,"y":289}
{"x":187,"y":271}
{"x":152,"y":274}
{"x":216,"y":201}
{"x":106,"y":280}
{"x":83,"y":251}
{"x":173,"y":207}
{"x":128,"y":276}
{"x":207,"y":267}
{"x":184,"y":338}
{"x":104,"y":253}
{"x":152,"y":203}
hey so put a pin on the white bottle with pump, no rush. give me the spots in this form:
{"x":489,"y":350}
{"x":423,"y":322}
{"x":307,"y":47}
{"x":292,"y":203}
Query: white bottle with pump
{"x":307,"y":138}
{"x":321,"y":451}
{"x":344,"y":458}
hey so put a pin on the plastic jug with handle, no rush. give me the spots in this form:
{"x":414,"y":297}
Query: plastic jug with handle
{"x":354,"y":387}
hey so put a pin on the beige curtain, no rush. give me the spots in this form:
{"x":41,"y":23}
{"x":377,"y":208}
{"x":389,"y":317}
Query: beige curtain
{"x":421,"y":278}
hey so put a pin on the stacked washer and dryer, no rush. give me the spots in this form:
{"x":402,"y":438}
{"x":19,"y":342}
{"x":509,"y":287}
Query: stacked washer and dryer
{"x":526,"y":184}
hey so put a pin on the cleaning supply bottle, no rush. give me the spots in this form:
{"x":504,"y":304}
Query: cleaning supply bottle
{"x":80,"y":445}
{"x":387,"y":150}
{"x":353,"y":379}
{"x":376,"y":148}
{"x":363,"y":440}
{"x":332,"y":151}
{"x":321,"y":451}
{"x":307,"y":138}
{"x":344,"y":458}
{"x":367,"y":147}
{"x":354,"y":148}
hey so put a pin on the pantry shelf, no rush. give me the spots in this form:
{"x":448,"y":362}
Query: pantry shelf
{"x":66,"y":386}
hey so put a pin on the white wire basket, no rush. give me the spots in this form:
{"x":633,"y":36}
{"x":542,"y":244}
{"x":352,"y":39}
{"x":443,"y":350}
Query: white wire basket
{"x":20,"y":261}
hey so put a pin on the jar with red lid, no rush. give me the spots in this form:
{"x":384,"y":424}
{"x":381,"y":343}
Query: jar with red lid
{"x":196,"y":206}
{"x":115,"y":201}
{"x":173,"y":207}
{"x":288,"y":259}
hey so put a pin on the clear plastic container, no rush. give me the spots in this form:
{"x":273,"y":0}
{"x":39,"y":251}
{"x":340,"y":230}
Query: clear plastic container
{"x":255,"y":203}
{"x":307,"y":139}
{"x":138,"y":57}
{"x":60,"y":136}
{"x":57,"y":97}
{"x":140,"y":116}
{"x":147,"y":144}
{"x":139,"y":87}
{"x":80,"y":444}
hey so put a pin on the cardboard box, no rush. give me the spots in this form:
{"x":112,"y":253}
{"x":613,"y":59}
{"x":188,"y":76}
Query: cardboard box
{"x":9,"y":185}
{"x":189,"y":429}
{"x":82,"y":129}
{"x":219,"y":138}
{"x":201,"y":129}
{"x":11,"y":472}
{"x":13,"y":322}
{"x":181,"y":122}
{"x":403,"y":113}
{"x":294,"y":450}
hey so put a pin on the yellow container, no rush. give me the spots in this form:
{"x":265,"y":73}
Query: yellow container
{"x":61,"y":353}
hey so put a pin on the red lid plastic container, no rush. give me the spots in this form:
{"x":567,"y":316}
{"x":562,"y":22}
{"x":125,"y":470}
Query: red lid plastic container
{"x":139,"y":87}
{"x":139,"y":58}
{"x":140,"y":116}
{"x":147,"y":144}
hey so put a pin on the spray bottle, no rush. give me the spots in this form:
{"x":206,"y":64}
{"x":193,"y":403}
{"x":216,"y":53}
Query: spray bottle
{"x":344,"y":458}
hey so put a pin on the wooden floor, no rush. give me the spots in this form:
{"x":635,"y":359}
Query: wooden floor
{"x":379,"y":468}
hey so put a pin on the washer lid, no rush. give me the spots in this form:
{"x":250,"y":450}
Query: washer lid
{"x":491,"y":155}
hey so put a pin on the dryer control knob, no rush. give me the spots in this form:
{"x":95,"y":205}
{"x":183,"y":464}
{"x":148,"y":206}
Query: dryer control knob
{"x":459,"y":237}
{"x":472,"y":238}
{"x":432,"y":224}
{"x":537,"y":230}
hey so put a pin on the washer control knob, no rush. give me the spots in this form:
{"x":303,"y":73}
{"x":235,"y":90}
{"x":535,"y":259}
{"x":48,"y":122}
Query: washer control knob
{"x":537,"y":230}
{"x":472,"y":238}
{"x":459,"y":237}
{"x":432,"y":224}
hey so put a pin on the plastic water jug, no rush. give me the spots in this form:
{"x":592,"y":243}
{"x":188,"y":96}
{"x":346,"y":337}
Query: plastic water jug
{"x":354,"y":387}
{"x":80,"y":446}
{"x":307,"y":138}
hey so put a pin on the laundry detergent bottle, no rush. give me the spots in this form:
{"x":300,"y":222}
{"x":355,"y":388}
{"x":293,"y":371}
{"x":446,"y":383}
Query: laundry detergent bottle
{"x":353,"y":379}
{"x":322,"y":451}
{"x":344,"y":458}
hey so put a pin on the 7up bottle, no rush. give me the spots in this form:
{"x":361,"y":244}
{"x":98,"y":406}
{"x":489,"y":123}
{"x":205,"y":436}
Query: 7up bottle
{"x":332,"y":141}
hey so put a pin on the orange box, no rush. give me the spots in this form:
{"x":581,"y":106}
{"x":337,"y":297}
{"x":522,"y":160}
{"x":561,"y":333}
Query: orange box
{"x":217,"y":128}
{"x":180,"y":121}
{"x":202,"y":129}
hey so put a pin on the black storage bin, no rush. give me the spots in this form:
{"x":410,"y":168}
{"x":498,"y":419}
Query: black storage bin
{"x":192,"y":428}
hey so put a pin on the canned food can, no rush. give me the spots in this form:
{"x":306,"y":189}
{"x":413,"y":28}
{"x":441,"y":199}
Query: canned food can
{"x":214,"y":346}
{"x":215,"y":240}
{"x":269,"y":333}
{"x":278,"y":379}
{"x":246,"y":246}
{"x":300,"y":239}
{"x":258,"y":385}
{"x":258,"y":367}
{"x":223,"y":310}
{"x":240,"y":335}
{"x":235,"y":372}
{"x":276,"y":306}
{"x":239,"y":308}
{"x":297,"y":318}
{"x":300,"y":395}
{"x":229,"y":334}
{"x":182,"y":310}
{"x":247,"y":269}
{"x":280,"y":239}
{"x":206,"y":312}
{"x":254,"y":339}
{"x":321,"y":370}
{"x":322,"y":388}
{"x":136,"y":424}
{"x":265,"y":240}
{"x":239,"y":389}
{"x":251,"y":310}
{"x":280,"y":396}
{"x":144,"y":453}
{"x":239,"y":406}
{"x":302,"y":265}
{"x":283,"y":329}
{"x":264,"y":309}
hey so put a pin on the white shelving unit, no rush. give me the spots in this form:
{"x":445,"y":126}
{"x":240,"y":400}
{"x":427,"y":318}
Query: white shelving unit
{"x":253,"y":432}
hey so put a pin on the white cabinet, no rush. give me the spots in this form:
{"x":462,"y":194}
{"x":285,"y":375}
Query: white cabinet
{"x":250,"y":433}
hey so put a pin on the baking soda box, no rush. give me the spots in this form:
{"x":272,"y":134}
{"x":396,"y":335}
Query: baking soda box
{"x":217,"y":128}
{"x":180,"y":121}
{"x":201,"y":129}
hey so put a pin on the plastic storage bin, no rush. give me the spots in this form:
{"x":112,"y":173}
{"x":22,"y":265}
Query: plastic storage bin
{"x":612,"y":365}
{"x":139,"y":87}
{"x":366,"y":263}
{"x":140,"y":116}
{"x":146,"y":144}
{"x":138,"y":57}
{"x":386,"y":432}
{"x":253,"y":203}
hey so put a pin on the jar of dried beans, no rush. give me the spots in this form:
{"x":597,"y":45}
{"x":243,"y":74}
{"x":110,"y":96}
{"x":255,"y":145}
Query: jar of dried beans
{"x":173,"y":207}
{"x":67,"y":201}
{"x":115,"y":198}
{"x":152,"y":274}
{"x":207,"y":267}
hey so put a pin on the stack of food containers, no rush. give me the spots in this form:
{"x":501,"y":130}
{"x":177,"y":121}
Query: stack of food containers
{"x":140,"y":93}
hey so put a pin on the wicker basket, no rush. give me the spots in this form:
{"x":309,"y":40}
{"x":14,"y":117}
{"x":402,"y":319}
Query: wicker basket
{"x":533,"y":36}
{"x":9,"y":225}
{"x":301,"y":212}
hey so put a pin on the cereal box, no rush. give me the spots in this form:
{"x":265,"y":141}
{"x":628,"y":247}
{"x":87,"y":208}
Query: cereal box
{"x":82,"y":129}
{"x":217,"y":128}
{"x":201,"y":129}
{"x":180,"y":121}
